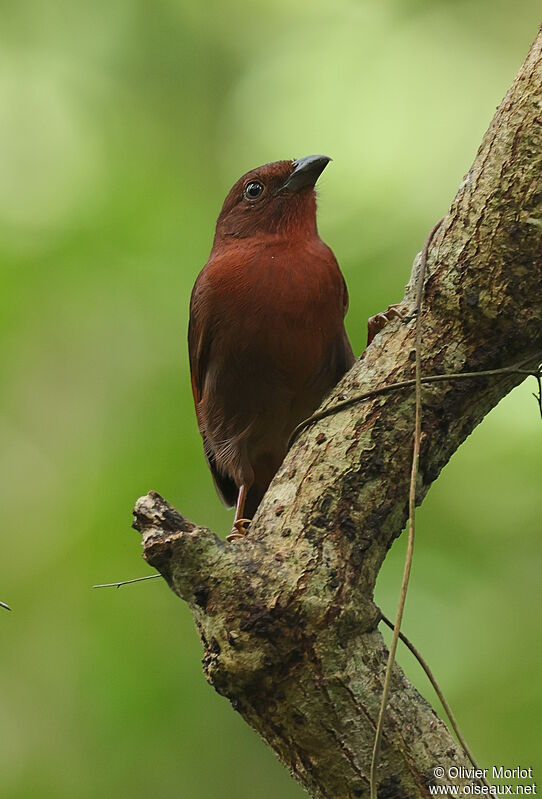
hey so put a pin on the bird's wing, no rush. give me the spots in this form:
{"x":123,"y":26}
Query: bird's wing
{"x":199,"y":350}
{"x":198,"y":346}
{"x":344,"y":353}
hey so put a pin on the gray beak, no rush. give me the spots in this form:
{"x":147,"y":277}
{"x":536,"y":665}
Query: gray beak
{"x":306,"y":172}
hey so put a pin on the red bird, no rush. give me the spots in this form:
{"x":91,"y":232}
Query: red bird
{"x":266,"y":337}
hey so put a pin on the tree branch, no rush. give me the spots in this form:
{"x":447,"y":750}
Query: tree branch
{"x":286,"y":616}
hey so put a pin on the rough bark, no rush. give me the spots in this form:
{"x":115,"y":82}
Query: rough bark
{"x":287,"y":617}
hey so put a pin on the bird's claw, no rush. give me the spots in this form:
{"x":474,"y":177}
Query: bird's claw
{"x":239,"y":530}
{"x":380,"y":320}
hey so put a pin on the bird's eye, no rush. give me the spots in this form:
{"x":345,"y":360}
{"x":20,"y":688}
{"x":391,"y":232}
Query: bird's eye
{"x":253,"y":190}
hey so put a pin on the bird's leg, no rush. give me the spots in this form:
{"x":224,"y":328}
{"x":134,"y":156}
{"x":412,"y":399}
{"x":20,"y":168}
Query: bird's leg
{"x":380,"y":320}
{"x":240,"y":524}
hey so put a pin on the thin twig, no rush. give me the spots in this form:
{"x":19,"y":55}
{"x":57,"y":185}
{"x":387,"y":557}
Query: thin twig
{"x":538,"y":397}
{"x":411,"y":511}
{"x":513,"y":369}
{"x":432,"y":679}
{"x":127,"y":582}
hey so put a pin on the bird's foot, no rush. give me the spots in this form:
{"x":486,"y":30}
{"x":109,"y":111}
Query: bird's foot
{"x":380,"y":320}
{"x":239,"y":530}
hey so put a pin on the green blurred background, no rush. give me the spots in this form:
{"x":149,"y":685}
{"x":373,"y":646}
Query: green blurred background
{"x":123,"y":125}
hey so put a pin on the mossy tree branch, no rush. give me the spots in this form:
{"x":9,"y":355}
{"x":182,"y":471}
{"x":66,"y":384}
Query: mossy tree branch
{"x":286,"y":616}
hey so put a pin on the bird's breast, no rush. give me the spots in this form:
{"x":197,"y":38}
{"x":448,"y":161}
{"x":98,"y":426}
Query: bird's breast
{"x":281,"y":306}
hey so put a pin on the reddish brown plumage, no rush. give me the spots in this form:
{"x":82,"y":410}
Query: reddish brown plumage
{"x":266,"y":335}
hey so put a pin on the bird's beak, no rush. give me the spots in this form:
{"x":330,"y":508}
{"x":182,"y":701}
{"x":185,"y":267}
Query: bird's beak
{"x":306,"y":172}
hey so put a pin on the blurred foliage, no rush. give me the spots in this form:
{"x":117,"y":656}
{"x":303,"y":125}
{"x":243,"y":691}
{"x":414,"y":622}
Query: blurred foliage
{"x":123,"y":124}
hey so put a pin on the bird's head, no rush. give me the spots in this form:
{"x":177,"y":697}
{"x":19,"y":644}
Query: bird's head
{"x":277,"y":198}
